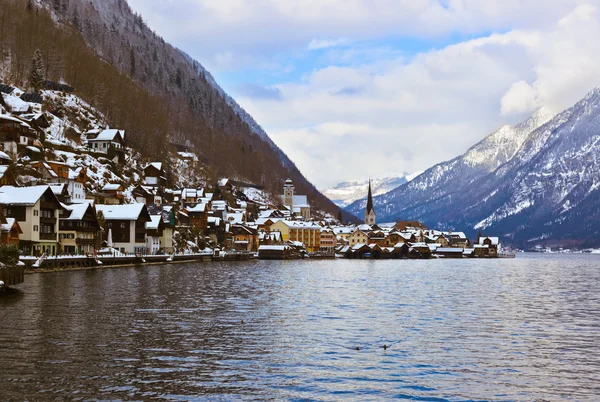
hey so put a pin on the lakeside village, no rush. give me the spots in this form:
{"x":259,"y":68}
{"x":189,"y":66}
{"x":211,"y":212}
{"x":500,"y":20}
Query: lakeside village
{"x":59,"y":207}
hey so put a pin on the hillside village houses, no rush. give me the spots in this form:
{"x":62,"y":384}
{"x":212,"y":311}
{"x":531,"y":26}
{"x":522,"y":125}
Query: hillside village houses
{"x":61,"y":198}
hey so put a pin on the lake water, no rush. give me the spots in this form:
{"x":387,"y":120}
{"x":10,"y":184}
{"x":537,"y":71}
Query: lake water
{"x":522,"y":329}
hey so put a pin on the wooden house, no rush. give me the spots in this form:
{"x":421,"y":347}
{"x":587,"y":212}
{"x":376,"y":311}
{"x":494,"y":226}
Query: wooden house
{"x":15,"y":135}
{"x":154,"y":174}
{"x":112,"y":194}
{"x":7,"y":177}
{"x":109,"y":142}
{"x":79,"y":229}
{"x":10,"y":231}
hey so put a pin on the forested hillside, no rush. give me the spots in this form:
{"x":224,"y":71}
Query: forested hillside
{"x":140,"y":83}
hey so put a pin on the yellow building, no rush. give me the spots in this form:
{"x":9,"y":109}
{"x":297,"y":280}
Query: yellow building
{"x":358,"y":237}
{"x":308,"y":233}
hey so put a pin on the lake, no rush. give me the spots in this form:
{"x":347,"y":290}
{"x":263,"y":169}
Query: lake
{"x":456,"y":330}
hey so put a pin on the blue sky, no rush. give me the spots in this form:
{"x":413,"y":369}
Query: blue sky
{"x":372,"y":88}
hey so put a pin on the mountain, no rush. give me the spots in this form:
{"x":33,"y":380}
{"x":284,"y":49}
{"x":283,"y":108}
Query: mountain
{"x":535,"y":183}
{"x":164,"y":99}
{"x":345,"y":193}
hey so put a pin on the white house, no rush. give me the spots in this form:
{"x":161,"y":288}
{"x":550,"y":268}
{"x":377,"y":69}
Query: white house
{"x":36,"y":209}
{"x":127,"y":226}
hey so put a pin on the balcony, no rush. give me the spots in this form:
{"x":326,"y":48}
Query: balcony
{"x":48,"y":236}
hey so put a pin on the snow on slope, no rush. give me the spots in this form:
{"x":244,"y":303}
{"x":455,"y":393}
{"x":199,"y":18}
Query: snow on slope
{"x":457,"y":174}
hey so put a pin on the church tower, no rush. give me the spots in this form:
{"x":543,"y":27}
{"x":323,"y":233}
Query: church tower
{"x":288,"y":194}
{"x":370,"y":211}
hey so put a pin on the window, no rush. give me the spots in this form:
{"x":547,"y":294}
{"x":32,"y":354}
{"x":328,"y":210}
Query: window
{"x":36,"y":212}
{"x":122,"y":225}
{"x":35,"y":228}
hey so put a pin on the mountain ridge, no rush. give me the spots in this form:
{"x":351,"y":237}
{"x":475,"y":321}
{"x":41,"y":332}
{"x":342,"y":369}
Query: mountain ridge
{"x":538,"y":196}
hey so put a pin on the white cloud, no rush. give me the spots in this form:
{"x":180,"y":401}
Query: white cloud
{"x":364,"y":121}
{"x":374,"y":110}
{"x":520,"y":98}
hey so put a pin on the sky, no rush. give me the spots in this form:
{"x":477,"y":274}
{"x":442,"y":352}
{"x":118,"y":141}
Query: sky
{"x":357,"y":89}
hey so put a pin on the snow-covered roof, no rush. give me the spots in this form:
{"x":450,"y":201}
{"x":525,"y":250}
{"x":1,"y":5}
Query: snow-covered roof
{"x":358,"y":246}
{"x":28,"y":196}
{"x":157,"y":165}
{"x":129,"y":212}
{"x":34,"y":149}
{"x":449,"y":250}
{"x":187,"y":155}
{"x":13,"y":119}
{"x":200,"y":207}
{"x":108,"y":135}
{"x":57,"y":188}
{"x":223,"y":182}
{"x":272,"y":248}
{"x":111,"y":187}
{"x":3,"y":170}
{"x":6,"y":227}
{"x":77,"y":211}
{"x":15,"y":104}
{"x":49,"y":169}
{"x":4,"y":155}
{"x":154,"y":222}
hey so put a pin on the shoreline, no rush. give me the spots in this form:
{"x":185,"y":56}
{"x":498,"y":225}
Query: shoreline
{"x":30,"y":271}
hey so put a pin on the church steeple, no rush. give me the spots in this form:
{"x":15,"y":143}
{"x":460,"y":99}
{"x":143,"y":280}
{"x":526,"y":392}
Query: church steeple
{"x":370,"y":211}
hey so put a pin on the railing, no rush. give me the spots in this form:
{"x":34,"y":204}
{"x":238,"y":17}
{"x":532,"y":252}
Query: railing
{"x":47,"y":236}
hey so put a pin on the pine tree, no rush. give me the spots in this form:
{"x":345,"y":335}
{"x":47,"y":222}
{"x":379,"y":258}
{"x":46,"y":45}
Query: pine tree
{"x":36,"y":73}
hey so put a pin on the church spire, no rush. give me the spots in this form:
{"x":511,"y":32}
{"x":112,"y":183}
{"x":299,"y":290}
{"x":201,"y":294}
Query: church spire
{"x":369,"y":199}
{"x":370,"y":211}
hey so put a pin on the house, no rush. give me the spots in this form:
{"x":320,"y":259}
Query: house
{"x":79,"y":229}
{"x":487,"y":247}
{"x":154,"y":175}
{"x":154,"y":233}
{"x":297,"y":204}
{"x":110,"y":142}
{"x":198,"y":216}
{"x":7,"y":177}
{"x":112,"y":194}
{"x":15,"y":134}
{"x":126,"y":226}
{"x":148,"y":195}
{"x":76,"y":183}
{"x":244,"y":237}
{"x":10,"y":230}
{"x":191,"y":196}
{"x":268,"y":238}
{"x":168,"y":218}
{"x":450,"y":252}
{"x":62,"y":170}
{"x":36,"y":209}
{"x":308,"y":233}
{"x":61,"y":192}
{"x":47,"y":174}
{"x":358,"y":237}
{"x":328,"y":241}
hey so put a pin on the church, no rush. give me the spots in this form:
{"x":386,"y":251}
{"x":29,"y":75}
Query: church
{"x":297,"y":204}
{"x":370,"y":211}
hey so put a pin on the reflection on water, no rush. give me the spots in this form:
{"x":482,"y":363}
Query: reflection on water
{"x":454,"y":330}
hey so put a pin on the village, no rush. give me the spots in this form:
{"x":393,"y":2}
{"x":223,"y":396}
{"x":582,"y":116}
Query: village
{"x":60,"y":208}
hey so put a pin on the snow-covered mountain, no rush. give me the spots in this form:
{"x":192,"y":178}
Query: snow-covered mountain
{"x":345,"y":193}
{"x":534,"y":183}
